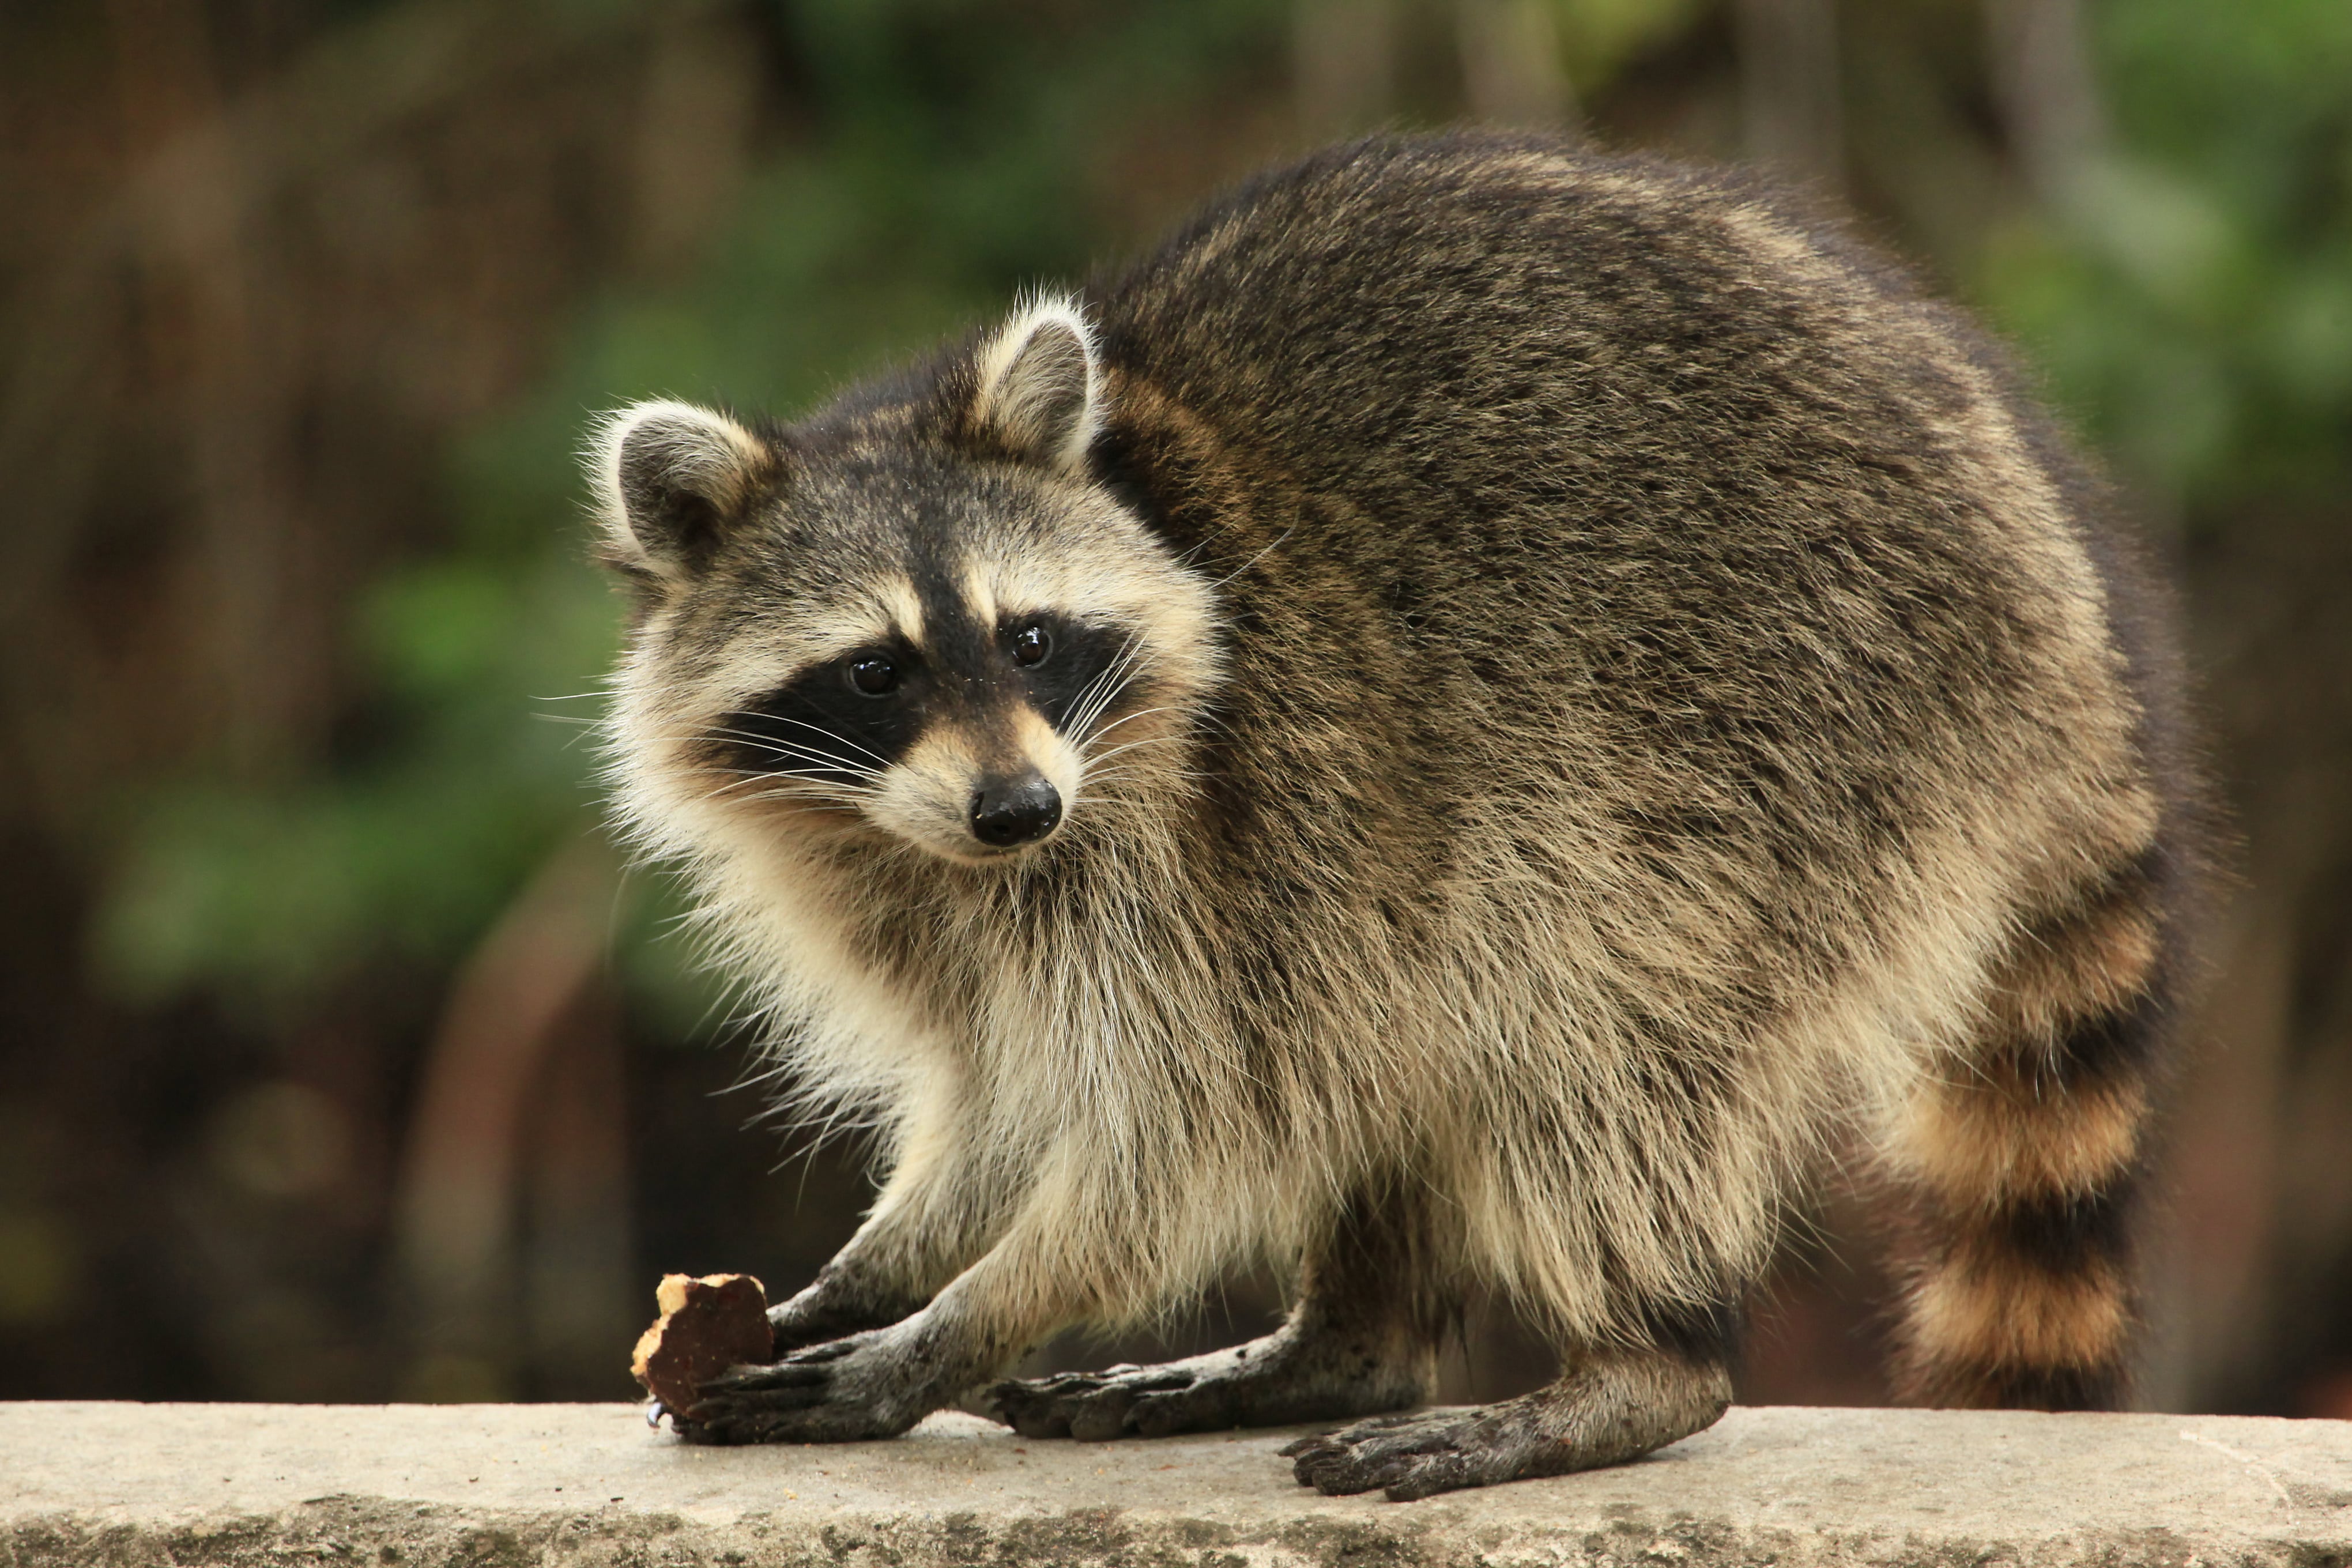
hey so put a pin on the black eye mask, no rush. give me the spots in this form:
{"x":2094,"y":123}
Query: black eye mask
{"x":825,"y":726}
{"x":843,"y":722}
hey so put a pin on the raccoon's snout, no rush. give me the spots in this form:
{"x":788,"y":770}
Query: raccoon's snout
{"x":1009,"y":812}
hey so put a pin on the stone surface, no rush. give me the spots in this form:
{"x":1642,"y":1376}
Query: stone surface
{"x":132,"y":1485}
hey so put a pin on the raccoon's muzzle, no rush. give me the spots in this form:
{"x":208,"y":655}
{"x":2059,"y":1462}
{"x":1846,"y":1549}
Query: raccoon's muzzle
{"x":1006,"y":812}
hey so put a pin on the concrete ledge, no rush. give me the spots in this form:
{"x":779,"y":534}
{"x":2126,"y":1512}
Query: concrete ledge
{"x":504,"y":1486}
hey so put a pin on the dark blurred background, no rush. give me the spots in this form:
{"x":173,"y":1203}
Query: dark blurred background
{"x":340,"y":1058}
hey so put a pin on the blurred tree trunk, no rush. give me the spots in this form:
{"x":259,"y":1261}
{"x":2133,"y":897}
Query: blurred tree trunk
{"x":510,"y":1072}
{"x":2262,"y":1172}
{"x":1792,"y":112}
{"x":1343,"y":64}
{"x":1512,"y":71}
{"x":2047,"y":94}
{"x":582,"y":1300}
{"x":702,"y":91}
{"x":223,"y":327}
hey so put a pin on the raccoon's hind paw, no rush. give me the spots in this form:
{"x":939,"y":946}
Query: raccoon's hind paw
{"x":1615,"y":1408}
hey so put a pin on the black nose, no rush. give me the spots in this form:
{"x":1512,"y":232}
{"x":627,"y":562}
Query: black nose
{"x":1015,"y":811}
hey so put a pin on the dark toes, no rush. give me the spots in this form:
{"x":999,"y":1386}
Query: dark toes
{"x":1333,"y":1476}
{"x":800,"y":1396}
{"x":1155,"y":1378}
{"x":831,"y":1349}
{"x":1028,"y":1393}
{"x":742,"y":1406}
{"x":1325,"y":1464}
{"x":759,"y":1379}
{"x":1341,"y":1438}
{"x":1428,"y":1476}
{"x":1087,"y":1405}
{"x":1020,"y":1406}
{"x":1099,"y":1417}
{"x":1163,"y":1414}
{"x":1067,"y":1385}
{"x":1041,"y":1422}
{"x":1407,"y":1456}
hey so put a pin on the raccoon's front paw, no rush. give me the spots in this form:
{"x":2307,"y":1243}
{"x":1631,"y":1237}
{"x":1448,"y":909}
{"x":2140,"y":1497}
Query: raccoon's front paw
{"x":1416,"y":1456}
{"x":1087,"y":1405}
{"x":867,"y":1385}
{"x":1277,"y":1381}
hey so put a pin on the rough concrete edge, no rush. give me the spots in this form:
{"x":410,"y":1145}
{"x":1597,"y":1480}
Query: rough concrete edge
{"x":392,"y":1534}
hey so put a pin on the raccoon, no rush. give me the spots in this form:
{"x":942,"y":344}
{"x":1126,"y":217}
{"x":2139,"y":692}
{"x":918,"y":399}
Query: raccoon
{"x":1450,"y":729}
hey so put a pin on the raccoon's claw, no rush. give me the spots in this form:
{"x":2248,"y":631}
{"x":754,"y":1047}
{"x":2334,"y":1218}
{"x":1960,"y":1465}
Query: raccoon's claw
{"x":865,"y":1387}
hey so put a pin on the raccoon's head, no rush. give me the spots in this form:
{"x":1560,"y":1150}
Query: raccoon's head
{"x":916,"y":616}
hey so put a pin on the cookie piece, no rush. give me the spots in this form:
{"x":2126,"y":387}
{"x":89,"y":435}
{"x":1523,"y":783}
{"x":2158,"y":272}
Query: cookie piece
{"x":707,"y":1325}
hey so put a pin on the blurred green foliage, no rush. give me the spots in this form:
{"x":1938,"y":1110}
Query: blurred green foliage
{"x":1601,"y":38}
{"x":2193,"y":309}
{"x":2193,"y":306}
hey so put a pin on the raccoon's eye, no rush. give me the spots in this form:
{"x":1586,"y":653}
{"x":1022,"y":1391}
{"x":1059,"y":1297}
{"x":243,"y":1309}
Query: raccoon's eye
{"x":1030,"y":645}
{"x":873,"y":677}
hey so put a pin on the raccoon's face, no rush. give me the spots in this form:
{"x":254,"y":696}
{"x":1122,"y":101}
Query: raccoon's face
{"x":922,"y":621}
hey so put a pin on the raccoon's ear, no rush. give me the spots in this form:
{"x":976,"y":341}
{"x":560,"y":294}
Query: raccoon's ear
{"x":670,"y":479}
{"x":1040,"y":392}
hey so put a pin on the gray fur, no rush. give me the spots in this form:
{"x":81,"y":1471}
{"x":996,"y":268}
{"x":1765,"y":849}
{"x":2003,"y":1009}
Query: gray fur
{"x":1600,"y":686}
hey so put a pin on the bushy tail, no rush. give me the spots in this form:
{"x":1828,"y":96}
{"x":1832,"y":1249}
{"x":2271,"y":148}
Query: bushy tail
{"x":2026,"y":1167}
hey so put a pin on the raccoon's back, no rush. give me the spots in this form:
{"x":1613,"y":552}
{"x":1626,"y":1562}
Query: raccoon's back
{"x":1490,"y":347}
{"x":1634,"y":513}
